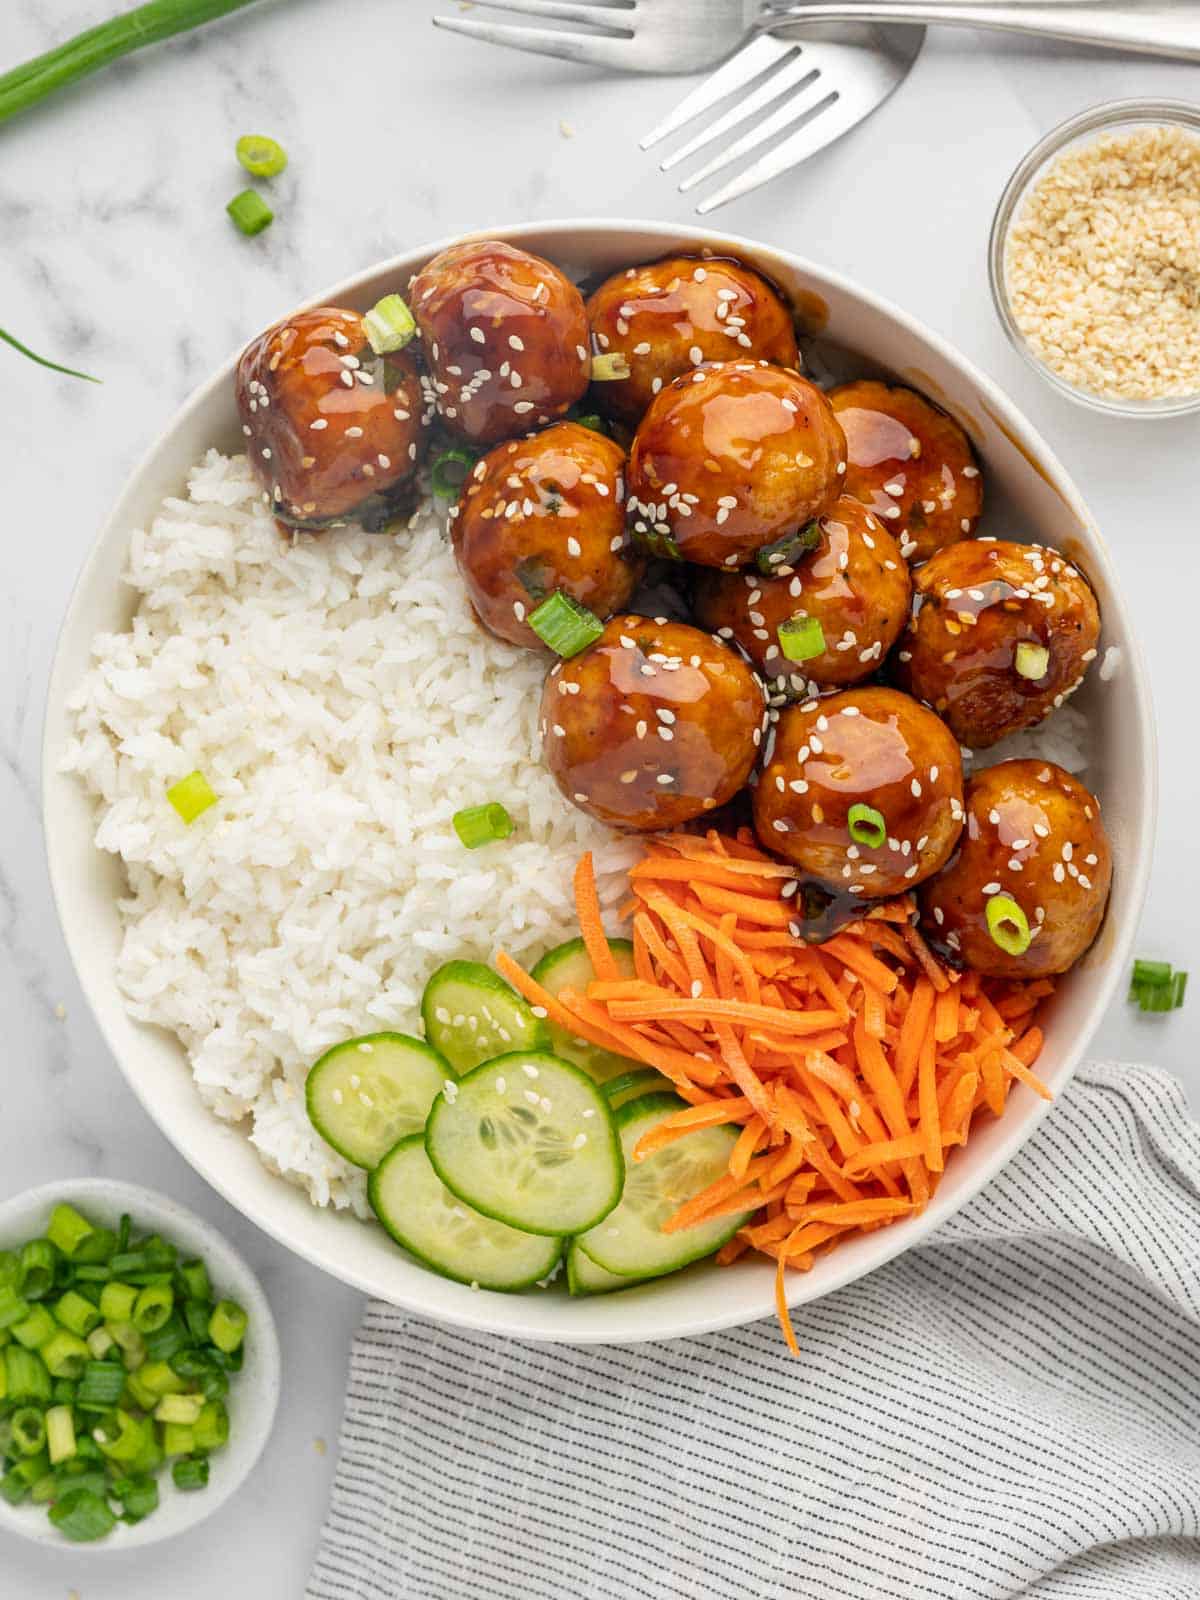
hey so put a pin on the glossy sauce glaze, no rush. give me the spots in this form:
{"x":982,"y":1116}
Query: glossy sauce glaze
{"x":1034,"y":833}
{"x":910,"y":463}
{"x":669,"y":316}
{"x":545,"y":513}
{"x":731,"y":458}
{"x":505,"y":338}
{"x":975,"y":603}
{"x":654,"y":724}
{"x":869,"y":747}
{"x":332,"y":429}
{"x":855,"y":583}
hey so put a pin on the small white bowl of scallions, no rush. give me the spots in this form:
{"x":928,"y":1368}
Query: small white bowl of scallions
{"x":139,"y":1366}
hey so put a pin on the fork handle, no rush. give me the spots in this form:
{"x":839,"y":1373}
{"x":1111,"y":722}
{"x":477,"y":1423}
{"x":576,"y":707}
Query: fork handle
{"x":1145,"y":27}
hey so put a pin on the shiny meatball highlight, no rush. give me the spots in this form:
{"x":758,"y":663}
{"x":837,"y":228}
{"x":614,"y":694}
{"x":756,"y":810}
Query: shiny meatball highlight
{"x":1033,"y":833}
{"x":870,"y":747}
{"x":1001,"y":634}
{"x":332,"y":429}
{"x":911,"y":464}
{"x":854,"y":582}
{"x":654,"y":724}
{"x":670,"y":316}
{"x":540,"y":514}
{"x":730,"y":459}
{"x":505,"y":336}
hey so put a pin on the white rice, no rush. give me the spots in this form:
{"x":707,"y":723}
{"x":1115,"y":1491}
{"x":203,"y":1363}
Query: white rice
{"x":343,"y":703}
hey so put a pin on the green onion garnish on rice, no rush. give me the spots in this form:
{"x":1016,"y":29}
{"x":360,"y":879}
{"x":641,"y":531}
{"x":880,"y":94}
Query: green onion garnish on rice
{"x":192,"y":796}
{"x":564,"y":625}
{"x":389,"y":325}
{"x":250,"y":212}
{"x":486,"y":824}
{"x":262,"y":157}
{"x":867,"y":826}
{"x":801,"y":638}
{"x":1008,"y":924}
{"x":449,"y":471}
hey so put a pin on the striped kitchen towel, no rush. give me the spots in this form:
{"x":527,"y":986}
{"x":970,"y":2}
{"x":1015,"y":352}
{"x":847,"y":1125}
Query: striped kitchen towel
{"x":1011,"y":1409}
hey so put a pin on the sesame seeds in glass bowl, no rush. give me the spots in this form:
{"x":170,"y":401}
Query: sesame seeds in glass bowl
{"x":1094,"y":258}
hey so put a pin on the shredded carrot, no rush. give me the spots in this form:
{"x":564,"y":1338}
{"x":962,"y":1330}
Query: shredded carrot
{"x":843,"y":1071}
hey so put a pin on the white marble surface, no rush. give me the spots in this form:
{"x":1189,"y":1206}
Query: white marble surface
{"x":115,"y":255}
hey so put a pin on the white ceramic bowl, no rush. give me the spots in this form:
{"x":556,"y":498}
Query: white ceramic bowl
{"x":1031,"y":497}
{"x":253,"y":1394}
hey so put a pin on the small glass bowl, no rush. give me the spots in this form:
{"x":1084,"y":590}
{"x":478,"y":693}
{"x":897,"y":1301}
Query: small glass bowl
{"x":1080,"y":129}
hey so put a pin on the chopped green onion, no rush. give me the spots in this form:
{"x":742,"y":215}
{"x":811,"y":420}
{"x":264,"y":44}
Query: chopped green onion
{"x":126,"y":1444}
{"x":39,"y":1259}
{"x":783,"y":553}
{"x":138,"y":1495}
{"x":262,"y":157}
{"x":100,"y":1245}
{"x":191,"y":797}
{"x":177,"y":1439}
{"x":13,"y":1308}
{"x":100,"y":1386}
{"x":801,"y":638}
{"x":1178,"y":989}
{"x":660,"y":544}
{"x":867,"y":826}
{"x":62,"y":1391}
{"x":479,"y":825}
{"x":212,"y":1427}
{"x":611,"y":367}
{"x":593,"y":421}
{"x":12,"y":1490}
{"x":26,"y":1378}
{"x":185,"y":1408}
{"x":389,"y":325}
{"x":195,"y":1280}
{"x":132,"y":1345}
{"x":564,"y":625}
{"x":160,"y":1378}
{"x":34,"y":1330}
{"x":1032,"y":660}
{"x":250,"y":212}
{"x":60,"y":1434}
{"x":67,"y":1229}
{"x":28,"y":1430}
{"x":76,"y":1313}
{"x":117,"y":1301}
{"x":154,"y":1307}
{"x":1008,"y":924}
{"x":1152,"y":972}
{"x":24,"y":350}
{"x":10,"y":1269}
{"x":443,"y":480}
{"x":162,"y":1344}
{"x":195,"y":1315}
{"x":191,"y":1472}
{"x":81,"y":1515}
{"x":66,"y":1354}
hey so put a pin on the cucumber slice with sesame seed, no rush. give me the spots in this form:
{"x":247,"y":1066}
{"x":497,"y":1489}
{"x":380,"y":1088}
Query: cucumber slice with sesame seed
{"x":585,"y":1277}
{"x":365,"y":1094}
{"x":471,"y":1015}
{"x":568,"y":966}
{"x":432,"y":1224}
{"x":529,"y":1140}
{"x":629,"y":1242}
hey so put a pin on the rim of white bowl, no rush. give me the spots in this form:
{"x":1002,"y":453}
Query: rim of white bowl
{"x":254,"y":1394}
{"x":887,"y":1243}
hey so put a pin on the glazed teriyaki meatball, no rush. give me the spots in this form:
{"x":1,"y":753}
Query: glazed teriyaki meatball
{"x":732,"y":458}
{"x":333,"y":430}
{"x":545,"y":513}
{"x":505,"y":336}
{"x":1033,"y":837}
{"x":862,"y":790}
{"x":910,"y":463}
{"x":654,"y":724}
{"x":854,"y":583}
{"x":1001,"y":634}
{"x":670,"y":316}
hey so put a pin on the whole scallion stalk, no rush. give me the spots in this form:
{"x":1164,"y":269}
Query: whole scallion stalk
{"x":87,"y":52}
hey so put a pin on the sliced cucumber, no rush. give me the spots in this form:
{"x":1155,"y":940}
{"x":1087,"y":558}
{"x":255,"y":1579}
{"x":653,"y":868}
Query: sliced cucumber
{"x":432,"y":1224}
{"x":585,"y":1277}
{"x":630,"y":1241}
{"x":365,"y":1094}
{"x":528,"y":1139}
{"x":568,"y":966}
{"x":471,"y":1015}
